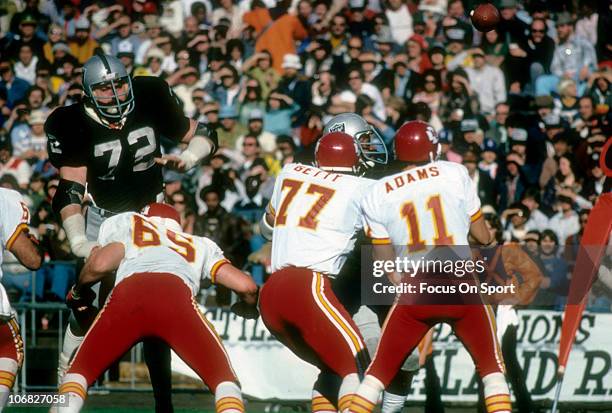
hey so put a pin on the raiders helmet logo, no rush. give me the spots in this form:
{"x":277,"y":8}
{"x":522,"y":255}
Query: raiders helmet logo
{"x":338,"y":127}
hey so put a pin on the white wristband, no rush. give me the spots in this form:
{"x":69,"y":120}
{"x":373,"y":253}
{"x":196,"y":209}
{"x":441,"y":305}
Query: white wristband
{"x":197,"y":149}
{"x":74,"y":226}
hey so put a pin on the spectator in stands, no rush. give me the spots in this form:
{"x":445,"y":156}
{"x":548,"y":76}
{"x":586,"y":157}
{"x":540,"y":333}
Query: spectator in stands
{"x":554,"y":285}
{"x":229,"y":129}
{"x":487,"y":81}
{"x":83,"y":46}
{"x":225,"y":229}
{"x":255,"y":126}
{"x":483,"y":182}
{"x":179,"y":200}
{"x":565,"y":222}
{"x":574,"y":58}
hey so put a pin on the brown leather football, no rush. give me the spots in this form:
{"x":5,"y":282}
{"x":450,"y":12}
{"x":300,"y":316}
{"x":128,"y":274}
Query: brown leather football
{"x":485,"y":17}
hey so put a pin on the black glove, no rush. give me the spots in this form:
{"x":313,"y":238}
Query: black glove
{"x":244,"y":310}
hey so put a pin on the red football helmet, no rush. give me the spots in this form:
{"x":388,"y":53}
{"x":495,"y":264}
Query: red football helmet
{"x":416,"y":142}
{"x":164,"y":213}
{"x":337,"y":151}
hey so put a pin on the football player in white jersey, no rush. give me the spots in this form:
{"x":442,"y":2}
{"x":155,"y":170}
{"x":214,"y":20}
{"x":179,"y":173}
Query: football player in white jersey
{"x":314,"y":215}
{"x":428,"y":202}
{"x":14,"y":220}
{"x":158,"y":272}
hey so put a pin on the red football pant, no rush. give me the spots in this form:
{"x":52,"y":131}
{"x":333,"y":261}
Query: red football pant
{"x":298,"y":306}
{"x":153,"y":305}
{"x":11,"y":353}
{"x":406,"y":325}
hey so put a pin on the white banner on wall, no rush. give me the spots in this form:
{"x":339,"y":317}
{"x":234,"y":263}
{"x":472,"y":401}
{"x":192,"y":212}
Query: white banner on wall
{"x":268,"y":370}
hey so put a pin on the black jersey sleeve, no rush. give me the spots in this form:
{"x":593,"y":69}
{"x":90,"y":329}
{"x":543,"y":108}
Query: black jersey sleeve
{"x":63,"y":143}
{"x":163,"y":104}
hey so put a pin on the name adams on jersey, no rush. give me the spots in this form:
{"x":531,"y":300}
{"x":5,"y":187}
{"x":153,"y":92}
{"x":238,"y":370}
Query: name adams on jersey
{"x":121,"y":172}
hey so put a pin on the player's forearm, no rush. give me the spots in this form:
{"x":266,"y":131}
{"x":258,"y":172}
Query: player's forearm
{"x":102,"y":263}
{"x":237,"y":281}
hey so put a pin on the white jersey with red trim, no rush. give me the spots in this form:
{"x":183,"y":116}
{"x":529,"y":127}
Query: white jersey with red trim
{"x":14,"y":218}
{"x":152,"y":247}
{"x":316,"y":217}
{"x":433,"y":204}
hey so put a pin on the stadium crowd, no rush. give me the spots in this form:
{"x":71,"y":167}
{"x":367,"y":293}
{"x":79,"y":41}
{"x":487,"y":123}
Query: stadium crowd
{"x":526,"y":107}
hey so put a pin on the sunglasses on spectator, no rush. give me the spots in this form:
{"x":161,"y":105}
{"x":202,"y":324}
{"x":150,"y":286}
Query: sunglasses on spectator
{"x":178,"y":201}
{"x":538,"y":31}
{"x":210,"y":112}
{"x":354,"y":47}
{"x":248,"y":144}
{"x":354,"y":78}
{"x":198,"y":97}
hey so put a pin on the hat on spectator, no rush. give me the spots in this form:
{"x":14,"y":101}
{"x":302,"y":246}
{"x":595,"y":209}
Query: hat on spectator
{"x":437,"y":48}
{"x":444,"y":137}
{"x":60,"y":46}
{"x":151,"y":21}
{"x":544,"y":102}
{"x":256,"y":114}
{"x":490,"y":145}
{"x":455,"y":34}
{"x":418,"y":39}
{"x":523,"y":211}
{"x":508,"y":4}
{"x":291,"y":61}
{"x":564,"y":18}
{"x":228,"y":112}
{"x":138,"y":27}
{"x":82,"y":23}
{"x":215,"y":54}
{"x":357,"y":4}
{"x":172,"y":176}
{"x":562,"y":136}
{"x":552,"y":120}
{"x":532,"y":235}
{"x":37,"y":117}
{"x":28,"y":18}
{"x":156,"y":53}
{"x":488,"y":210}
{"x":518,"y":136}
{"x":469,"y":125}
{"x":384,"y":36}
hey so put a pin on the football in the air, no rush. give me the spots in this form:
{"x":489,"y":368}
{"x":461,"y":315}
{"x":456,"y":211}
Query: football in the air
{"x":485,"y":17}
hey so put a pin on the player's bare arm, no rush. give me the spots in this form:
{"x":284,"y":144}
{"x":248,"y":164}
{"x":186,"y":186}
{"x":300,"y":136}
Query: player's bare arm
{"x":201,"y":142}
{"x":480,"y":233}
{"x":102,"y":262}
{"x":67,"y":203}
{"x":26,"y":251}
{"x":237,"y":281}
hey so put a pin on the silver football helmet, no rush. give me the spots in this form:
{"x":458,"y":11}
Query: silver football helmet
{"x":372,"y":149}
{"x":108,"y":86}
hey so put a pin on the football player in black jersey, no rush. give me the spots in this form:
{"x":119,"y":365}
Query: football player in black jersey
{"x":111,"y":143}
